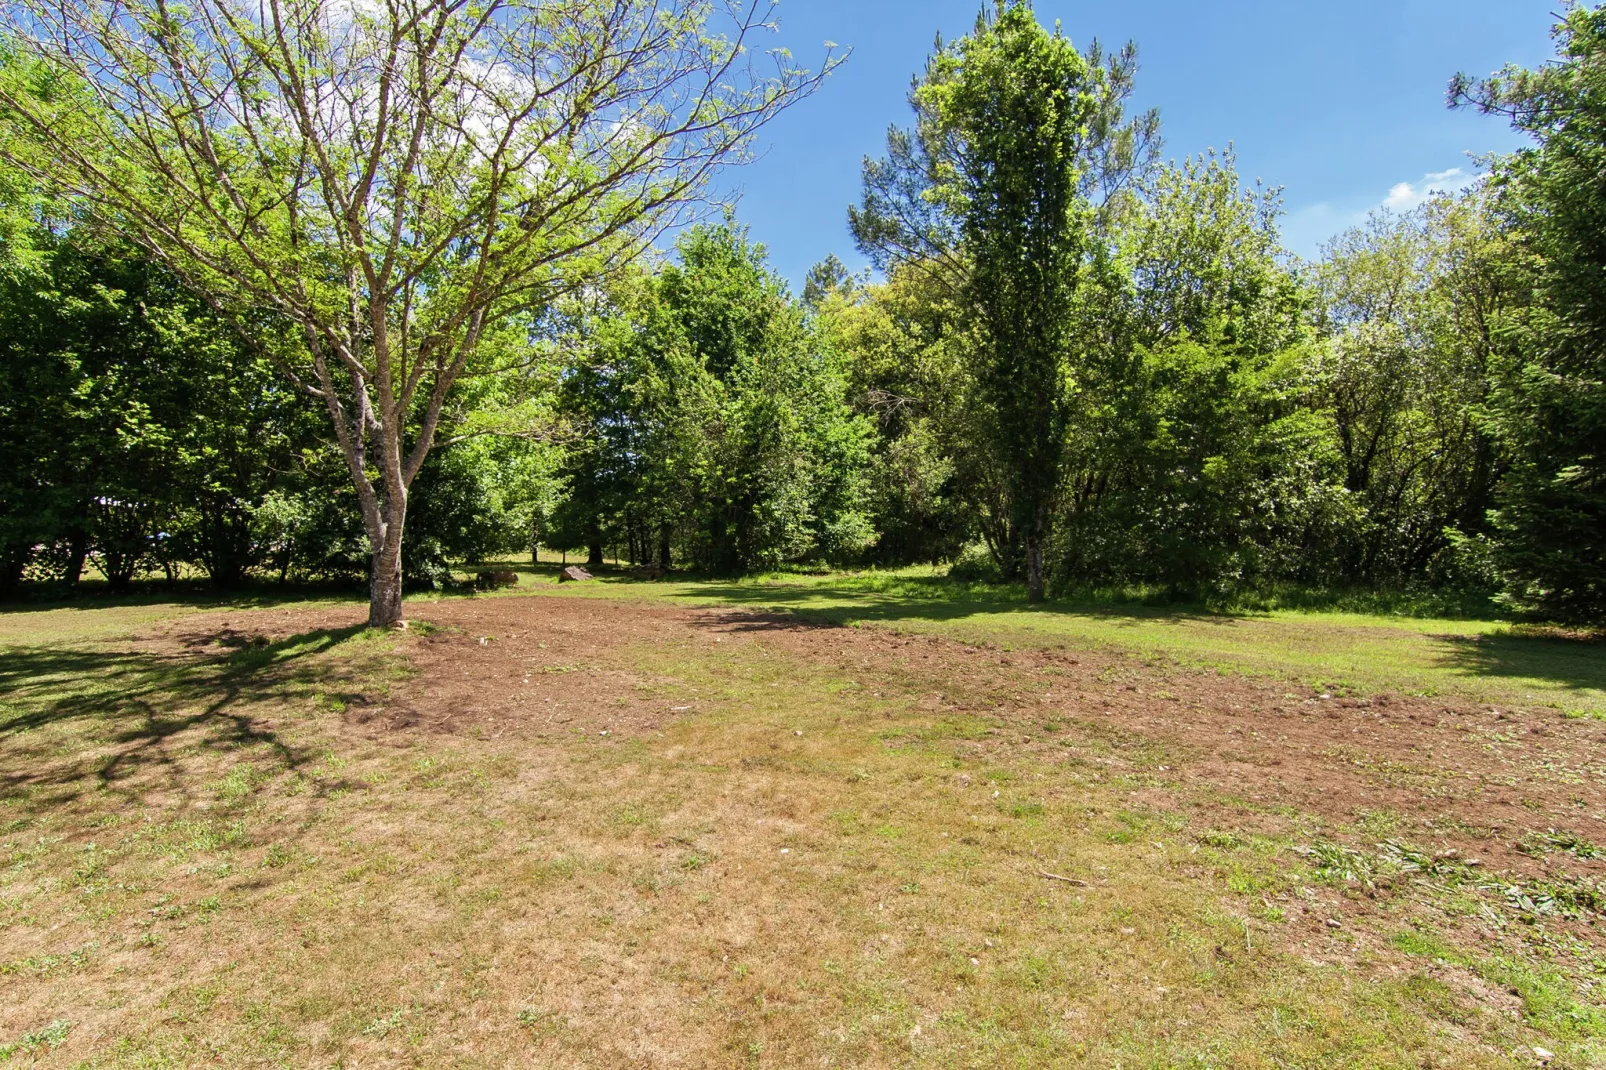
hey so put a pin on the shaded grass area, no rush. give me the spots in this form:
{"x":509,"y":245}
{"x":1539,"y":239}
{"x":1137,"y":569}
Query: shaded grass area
{"x":202,"y":863}
{"x":92,"y":726}
{"x":129,"y":783}
{"x":91,"y":616}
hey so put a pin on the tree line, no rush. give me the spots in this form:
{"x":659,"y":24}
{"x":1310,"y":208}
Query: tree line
{"x":392,"y":312}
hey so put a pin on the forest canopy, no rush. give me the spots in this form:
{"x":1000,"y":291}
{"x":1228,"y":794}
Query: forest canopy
{"x":266,"y":339}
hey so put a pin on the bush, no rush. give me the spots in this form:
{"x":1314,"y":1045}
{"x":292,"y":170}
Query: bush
{"x":975,"y":564}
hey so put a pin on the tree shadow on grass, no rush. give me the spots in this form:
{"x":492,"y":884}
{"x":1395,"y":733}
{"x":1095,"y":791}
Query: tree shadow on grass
{"x":848,"y":597}
{"x":1578,"y":664}
{"x":936,"y":601}
{"x":75,"y":720}
{"x":757,"y":620}
{"x":195,"y":596}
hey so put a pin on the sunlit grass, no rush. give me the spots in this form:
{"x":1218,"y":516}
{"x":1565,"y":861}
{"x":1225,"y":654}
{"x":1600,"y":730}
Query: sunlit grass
{"x":1487,"y":661}
{"x":200,"y":863}
{"x":1483,"y":660}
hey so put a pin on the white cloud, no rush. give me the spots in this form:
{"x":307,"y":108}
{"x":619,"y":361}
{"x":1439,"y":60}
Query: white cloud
{"x":1306,"y":229}
{"x":1401,"y":196}
{"x":1405,"y":196}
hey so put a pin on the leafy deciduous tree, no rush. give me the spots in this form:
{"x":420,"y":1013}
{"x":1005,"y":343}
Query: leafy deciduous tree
{"x":717,"y":417}
{"x":1019,"y":139}
{"x":392,"y":180}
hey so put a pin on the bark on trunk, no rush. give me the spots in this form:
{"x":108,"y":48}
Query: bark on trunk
{"x":663,"y":548}
{"x":1034,"y":570}
{"x":385,"y":585}
{"x":13,"y":565}
{"x":77,"y":553}
{"x":594,"y":557}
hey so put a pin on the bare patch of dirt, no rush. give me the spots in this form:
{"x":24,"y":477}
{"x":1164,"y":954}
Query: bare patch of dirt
{"x":498,"y":667}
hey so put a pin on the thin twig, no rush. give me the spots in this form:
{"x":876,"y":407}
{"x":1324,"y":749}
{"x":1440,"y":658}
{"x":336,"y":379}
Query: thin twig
{"x":1064,"y":880}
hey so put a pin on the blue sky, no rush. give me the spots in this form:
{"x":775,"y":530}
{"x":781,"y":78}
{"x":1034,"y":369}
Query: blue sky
{"x":1340,"y":103}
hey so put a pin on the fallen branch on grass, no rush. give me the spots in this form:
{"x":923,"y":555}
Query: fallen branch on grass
{"x":1064,"y":880}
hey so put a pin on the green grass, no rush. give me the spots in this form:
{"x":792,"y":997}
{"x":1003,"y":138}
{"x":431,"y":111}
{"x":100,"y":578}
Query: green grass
{"x":202,"y":862}
{"x":1485,"y":661}
{"x":1488,"y":661}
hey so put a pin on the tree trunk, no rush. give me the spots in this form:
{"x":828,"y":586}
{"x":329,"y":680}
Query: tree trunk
{"x":385,"y":583}
{"x":12,"y":566}
{"x":77,"y":552}
{"x":1034,"y":569}
{"x":119,"y":570}
{"x":723,"y":548}
{"x":385,"y":569}
{"x":594,"y":556}
{"x":663,"y":548}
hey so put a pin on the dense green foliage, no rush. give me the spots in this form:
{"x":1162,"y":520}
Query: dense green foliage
{"x":1080,"y":368}
{"x":401,"y":188}
{"x":1548,"y":404}
{"x":717,"y":426}
{"x":1015,"y":133}
{"x":137,"y":432}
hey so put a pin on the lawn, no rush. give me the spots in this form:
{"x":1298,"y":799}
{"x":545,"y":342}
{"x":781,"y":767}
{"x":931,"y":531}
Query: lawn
{"x":692,"y":824}
{"x":1491,"y":661}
